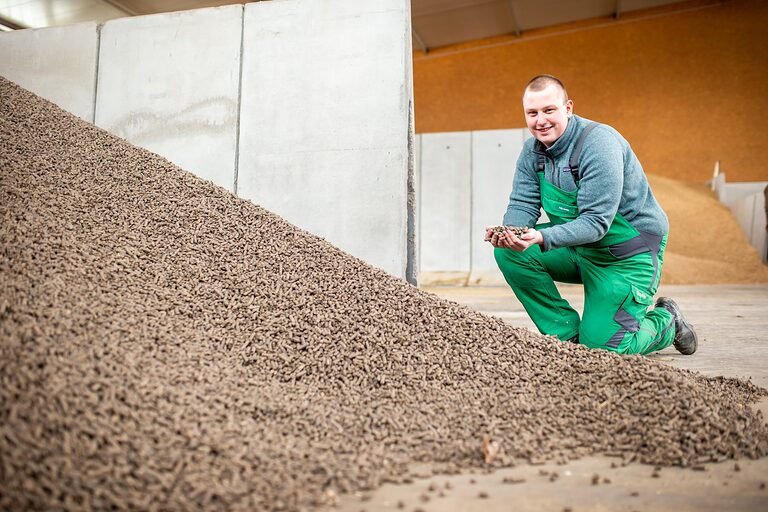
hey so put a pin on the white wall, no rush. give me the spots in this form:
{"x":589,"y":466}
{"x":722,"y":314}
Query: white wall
{"x":170,"y":83}
{"x":494,"y":155}
{"x":324,"y":125}
{"x":750,"y":214}
{"x":465,"y":181}
{"x":746,"y":201}
{"x":445,"y":210}
{"x":57,"y":63}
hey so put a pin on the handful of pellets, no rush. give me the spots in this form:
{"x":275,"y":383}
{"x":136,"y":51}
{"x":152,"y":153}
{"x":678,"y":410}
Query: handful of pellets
{"x":516,"y":230}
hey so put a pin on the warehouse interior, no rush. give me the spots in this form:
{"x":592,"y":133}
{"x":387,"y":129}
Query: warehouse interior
{"x":244,"y":265}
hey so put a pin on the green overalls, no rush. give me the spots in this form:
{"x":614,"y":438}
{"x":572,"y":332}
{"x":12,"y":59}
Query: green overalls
{"x":620,"y":274}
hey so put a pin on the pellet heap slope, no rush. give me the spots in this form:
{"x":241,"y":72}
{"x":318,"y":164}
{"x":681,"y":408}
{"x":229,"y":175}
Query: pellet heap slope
{"x":164,"y":343}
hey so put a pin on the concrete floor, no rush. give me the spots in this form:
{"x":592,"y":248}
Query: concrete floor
{"x":731,"y":321}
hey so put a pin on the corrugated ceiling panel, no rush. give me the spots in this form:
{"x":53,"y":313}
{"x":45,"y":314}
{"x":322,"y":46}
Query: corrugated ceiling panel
{"x":464,"y":23}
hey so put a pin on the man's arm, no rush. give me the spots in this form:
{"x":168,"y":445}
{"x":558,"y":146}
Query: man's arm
{"x":600,"y":188}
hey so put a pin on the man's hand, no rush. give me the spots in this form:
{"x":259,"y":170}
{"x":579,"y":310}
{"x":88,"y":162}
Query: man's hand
{"x":508,"y":240}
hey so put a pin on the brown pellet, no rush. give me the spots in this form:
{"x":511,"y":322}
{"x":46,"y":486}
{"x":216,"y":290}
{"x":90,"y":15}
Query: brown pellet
{"x":165,"y":341}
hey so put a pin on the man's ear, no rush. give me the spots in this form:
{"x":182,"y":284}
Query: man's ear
{"x":569,"y":108}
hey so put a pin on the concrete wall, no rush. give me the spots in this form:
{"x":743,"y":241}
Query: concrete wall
{"x":465,"y":179}
{"x":494,"y":155}
{"x":446,"y":210}
{"x":746,"y":201}
{"x":170,"y":83}
{"x":305,"y":107}
{"x":57,"y":63}
{"x":326,"y":89}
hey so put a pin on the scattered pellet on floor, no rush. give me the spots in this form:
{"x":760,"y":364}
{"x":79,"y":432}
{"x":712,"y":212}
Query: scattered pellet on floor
{"x":736,"y":467}
{"x":762,"y":485}
{"x":512,"y":480}
{"x":634,"y":494}
{"x":606,"y":480}
{"x":595,"y":479}
{"x":482,"y":495}
{"x":166,"y":344}
{"x":424,"y":498}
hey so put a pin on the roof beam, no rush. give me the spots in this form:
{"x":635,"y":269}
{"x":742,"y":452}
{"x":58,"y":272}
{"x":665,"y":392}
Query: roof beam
{"x":419,"y":40}
{"x":12,"y":25}
{"x":117,"y":5}
{"x":515,"y":24}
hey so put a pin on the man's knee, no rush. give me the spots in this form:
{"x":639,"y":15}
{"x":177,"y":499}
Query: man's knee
{"x":617,"y":318}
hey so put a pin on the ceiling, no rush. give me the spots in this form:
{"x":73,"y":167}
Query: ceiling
{"x":435,"y":23}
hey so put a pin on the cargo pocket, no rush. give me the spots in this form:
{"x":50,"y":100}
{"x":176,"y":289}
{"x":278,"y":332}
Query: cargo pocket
{"x":629,"y":314}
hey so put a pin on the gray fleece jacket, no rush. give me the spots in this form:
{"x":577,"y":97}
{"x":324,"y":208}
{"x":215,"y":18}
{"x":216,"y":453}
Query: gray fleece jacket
{"x":612,"y":180}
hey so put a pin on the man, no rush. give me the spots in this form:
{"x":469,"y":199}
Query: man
{"x":605,"y":230}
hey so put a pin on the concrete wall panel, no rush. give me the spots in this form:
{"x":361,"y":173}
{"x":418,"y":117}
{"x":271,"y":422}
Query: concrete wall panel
{"x":324,"y":120}
{"x":494,"y":155}
{"x":758,"y":236}
{"x":57,"y":63}
{"x":744,"y":211}
{"x":170,"y":83}
{"x":445,"y":202}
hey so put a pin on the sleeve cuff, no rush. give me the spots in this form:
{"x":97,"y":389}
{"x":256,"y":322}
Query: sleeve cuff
{"x":547,"y":245}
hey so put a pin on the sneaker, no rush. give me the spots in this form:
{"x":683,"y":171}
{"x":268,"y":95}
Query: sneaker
{"x":686,"y":339}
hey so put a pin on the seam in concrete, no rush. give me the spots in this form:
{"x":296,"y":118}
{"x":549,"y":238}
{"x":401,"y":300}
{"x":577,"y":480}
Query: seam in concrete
{"x":96,"y":72}
{"x":410,"y":189}
{"x":471,"y":201}
{"x":239,"y":99}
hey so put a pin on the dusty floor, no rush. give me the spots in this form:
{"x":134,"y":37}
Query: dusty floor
{"x":731,"y":321}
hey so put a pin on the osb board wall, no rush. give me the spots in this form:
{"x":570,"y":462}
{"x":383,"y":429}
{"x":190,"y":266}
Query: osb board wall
{"x":686,"y":84}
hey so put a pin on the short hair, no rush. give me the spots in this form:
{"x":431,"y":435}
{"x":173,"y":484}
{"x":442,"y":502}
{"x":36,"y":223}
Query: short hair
{"x":541,"y":82}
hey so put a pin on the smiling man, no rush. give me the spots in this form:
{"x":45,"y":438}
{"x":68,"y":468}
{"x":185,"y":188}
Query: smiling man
{"x":605,"y":231}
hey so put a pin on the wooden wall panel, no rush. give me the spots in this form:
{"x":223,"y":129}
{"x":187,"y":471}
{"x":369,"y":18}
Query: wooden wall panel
{"x":686,"y":84}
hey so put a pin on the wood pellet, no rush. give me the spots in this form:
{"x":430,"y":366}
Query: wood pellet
{"x":165,"y":344}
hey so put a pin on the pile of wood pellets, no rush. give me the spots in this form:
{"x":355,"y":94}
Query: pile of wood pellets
{"x":515,"y":230}
{"x":166,"y":344}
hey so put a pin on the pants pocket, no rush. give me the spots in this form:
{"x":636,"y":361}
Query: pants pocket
{"x":630,"y":314}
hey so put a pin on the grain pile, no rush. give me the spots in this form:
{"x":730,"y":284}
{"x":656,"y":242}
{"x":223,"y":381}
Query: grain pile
{"x":164,"y":344}
{"x":723,"y":255}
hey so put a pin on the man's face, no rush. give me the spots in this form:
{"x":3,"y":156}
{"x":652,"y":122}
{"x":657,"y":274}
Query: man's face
{"x":546,"y":113}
